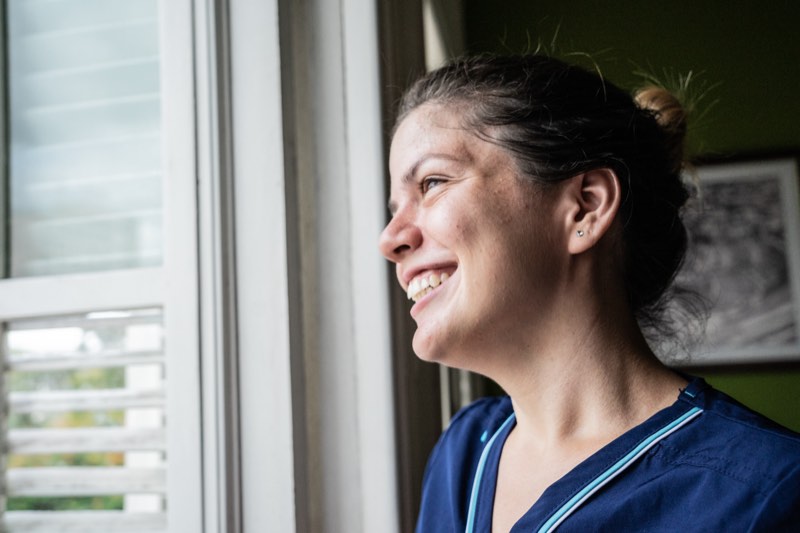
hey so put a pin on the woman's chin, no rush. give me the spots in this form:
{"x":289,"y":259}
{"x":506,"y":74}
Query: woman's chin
{"x":427,"y":348}
{"x":435,"y":348}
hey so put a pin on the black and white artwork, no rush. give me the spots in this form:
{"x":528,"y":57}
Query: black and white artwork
{"x":744,"y":260}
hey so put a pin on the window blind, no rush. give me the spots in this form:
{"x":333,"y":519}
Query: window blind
{"x":85,"y":424}
{"x":85,"y":135}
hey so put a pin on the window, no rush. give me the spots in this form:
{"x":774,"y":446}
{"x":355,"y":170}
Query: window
{"x":86,"y":418}
{"x":84,"y":156}
{"x":167,"y":323}
{"x":98,"y":397}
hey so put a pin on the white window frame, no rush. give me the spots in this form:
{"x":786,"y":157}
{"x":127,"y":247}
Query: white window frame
{"x":331,"y":415}
{"x":172,"y":287}
{"x":260,"y":382}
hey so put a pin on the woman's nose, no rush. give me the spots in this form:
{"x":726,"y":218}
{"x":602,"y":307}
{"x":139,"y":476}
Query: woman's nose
{"x":399,"y":237}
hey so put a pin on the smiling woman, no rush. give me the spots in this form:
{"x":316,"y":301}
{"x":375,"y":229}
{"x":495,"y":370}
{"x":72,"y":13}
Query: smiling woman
{"x":466,"y":216}
{"x":536,"y":226}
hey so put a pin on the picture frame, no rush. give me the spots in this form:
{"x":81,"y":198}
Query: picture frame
{"x":744,"y":262}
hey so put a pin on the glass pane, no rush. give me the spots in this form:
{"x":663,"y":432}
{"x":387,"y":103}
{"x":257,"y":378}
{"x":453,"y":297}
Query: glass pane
{"x":84,"y":153}
{"x":85,"y":426}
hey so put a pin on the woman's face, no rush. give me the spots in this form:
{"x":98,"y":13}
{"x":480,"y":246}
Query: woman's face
{"x":479,"y":250}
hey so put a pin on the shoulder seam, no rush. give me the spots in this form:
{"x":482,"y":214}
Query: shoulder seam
{"x":718,"y":465}
{"x":794,"y":438}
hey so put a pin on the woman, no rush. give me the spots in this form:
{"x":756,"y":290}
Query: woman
{"x":535,"y":224}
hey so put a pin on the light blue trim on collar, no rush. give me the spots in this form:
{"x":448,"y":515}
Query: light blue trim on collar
{"x":476,"y":483}
{"x":604,"y":478}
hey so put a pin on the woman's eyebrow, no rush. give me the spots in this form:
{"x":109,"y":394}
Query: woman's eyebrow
{"x":455,"y":158}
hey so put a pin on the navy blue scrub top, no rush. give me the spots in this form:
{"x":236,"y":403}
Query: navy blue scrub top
{"x":706,"y":463}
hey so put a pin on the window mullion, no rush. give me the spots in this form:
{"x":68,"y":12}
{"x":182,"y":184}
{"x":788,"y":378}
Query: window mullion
{"x":187,"y":477}
{"x":76,"y":293}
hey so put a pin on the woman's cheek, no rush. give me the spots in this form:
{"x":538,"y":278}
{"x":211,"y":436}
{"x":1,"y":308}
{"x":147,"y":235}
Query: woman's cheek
{"x":445,"y":227}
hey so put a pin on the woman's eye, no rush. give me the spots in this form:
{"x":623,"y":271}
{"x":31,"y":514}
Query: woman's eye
{"x":430,"y":183}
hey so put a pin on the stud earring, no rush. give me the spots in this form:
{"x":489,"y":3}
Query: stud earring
{"x":580,"y":233}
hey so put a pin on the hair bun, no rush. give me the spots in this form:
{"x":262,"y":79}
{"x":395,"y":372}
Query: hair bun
{"x":670,"y":115}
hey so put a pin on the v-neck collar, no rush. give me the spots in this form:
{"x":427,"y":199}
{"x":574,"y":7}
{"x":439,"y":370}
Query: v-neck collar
{"x":588,"y":477}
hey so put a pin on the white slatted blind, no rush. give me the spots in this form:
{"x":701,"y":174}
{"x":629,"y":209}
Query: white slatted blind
{"x":85,"y":135}
{"x":85,"y":420}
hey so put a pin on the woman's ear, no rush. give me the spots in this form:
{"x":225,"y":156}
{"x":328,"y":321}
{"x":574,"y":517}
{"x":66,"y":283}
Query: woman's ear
{"x":593,"y":198}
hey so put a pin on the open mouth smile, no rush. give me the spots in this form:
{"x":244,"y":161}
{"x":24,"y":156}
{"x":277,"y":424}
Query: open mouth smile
{"x":421,"y":285}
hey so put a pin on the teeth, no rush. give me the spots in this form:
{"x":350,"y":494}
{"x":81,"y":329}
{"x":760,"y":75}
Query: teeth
{"x":413,"y":288}
{"x":419,"y":287}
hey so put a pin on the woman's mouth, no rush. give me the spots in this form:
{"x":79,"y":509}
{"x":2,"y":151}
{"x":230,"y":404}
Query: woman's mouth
{"x":423,"y":284}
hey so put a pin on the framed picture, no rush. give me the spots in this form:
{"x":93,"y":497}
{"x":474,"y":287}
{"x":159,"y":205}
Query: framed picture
{"x":744,"y":260}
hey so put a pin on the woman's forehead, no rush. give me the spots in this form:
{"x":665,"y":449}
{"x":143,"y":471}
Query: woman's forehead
{"x":429,"y":118}
{"x":430,"y":129}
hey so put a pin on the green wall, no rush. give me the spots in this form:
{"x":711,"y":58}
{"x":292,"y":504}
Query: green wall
{"x":747,"y":50}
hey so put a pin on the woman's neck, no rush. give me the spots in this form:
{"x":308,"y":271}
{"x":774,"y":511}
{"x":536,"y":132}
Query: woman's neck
{"x":588,"y":377}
